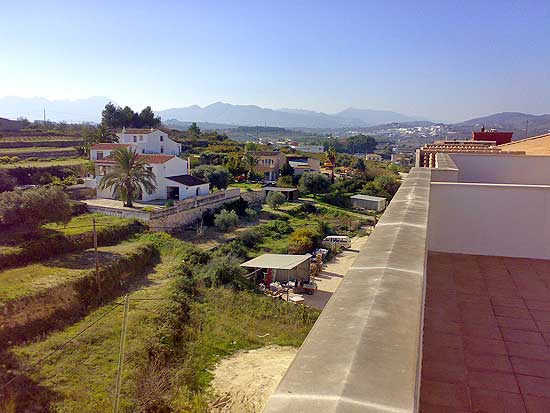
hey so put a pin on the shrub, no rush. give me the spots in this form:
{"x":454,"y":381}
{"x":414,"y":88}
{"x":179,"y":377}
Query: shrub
{"x":303,"y":240}
{"x":169,"y":203}
{"x":275,"y":199}
{"x":225,"y":220}
{"x":251,"y":237}
{"x":385,"y":186}
{"x":7,"y":182}
{"x":34,"y":207}
{"x":251,"y":214}
{"x":337,"y":199}
{"x":276,"y":229}
{"x":286,"y":181}
{"x":308,"y":208}
{"x":239,"y":206}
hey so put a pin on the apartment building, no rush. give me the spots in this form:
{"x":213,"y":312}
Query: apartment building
{"x":269,"y":164}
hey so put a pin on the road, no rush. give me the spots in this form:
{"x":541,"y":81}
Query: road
{"x":331,"y":276}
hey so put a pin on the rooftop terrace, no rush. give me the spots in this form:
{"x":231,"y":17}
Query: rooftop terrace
{"x":447,"y":307}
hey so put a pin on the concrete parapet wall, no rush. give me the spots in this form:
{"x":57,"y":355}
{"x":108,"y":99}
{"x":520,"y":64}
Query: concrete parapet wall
{"x":364,"y":351}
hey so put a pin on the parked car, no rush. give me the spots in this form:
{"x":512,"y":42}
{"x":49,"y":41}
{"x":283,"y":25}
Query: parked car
{"x":335,"y":241}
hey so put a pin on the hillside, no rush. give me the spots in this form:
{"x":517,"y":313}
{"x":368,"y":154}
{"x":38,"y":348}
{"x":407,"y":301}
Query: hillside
{"x":512,"y":121}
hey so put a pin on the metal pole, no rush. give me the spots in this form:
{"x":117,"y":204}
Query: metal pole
{"x":121,"y":355}
{"x":97,"y":278}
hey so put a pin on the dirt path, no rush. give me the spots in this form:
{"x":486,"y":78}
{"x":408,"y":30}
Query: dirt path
{"x":331,"y":276}
{"x":244,"y":382}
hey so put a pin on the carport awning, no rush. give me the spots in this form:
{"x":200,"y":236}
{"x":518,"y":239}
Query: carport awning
{"x":276,"y":261}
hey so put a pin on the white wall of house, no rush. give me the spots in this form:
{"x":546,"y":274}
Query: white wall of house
{"x":103,"y":153}
{"x":503,"y":168}
{"x":154,"y":141}
{"x":490,"y":219}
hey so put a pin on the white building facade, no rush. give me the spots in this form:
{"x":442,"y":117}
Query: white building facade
{"x":159,"y":152}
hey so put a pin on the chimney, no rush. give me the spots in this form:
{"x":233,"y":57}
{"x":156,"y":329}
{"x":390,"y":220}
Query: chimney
{"x":124,"y":129}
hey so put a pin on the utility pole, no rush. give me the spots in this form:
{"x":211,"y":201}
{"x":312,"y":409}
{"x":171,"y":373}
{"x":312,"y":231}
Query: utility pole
{"x":526,"y":127}
{"x":121,"y":354}
{"x":97,"y":278}
{"x":44,"y":115}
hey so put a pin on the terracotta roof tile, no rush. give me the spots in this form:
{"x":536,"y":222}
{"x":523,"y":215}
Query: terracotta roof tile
{"x":109,"y":146}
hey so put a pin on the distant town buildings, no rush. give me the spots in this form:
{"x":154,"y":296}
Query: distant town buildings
{"x":373,"y":157}
{"x":309,"y":148}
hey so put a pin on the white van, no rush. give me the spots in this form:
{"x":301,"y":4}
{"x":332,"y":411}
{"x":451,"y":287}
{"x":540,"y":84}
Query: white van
{"x":335,"y":241}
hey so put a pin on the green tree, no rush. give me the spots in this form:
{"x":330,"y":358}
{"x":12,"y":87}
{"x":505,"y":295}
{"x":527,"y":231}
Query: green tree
{"x":287,"y":170}
{"x":149,"y":119}
{"x":275,"y":199}
{"x":194,"y":129}
{"x":383,"y":185}
{"x":130,"y":177}
{"x":314,"y":183}
{"x":109,"y":116}
{"x":250,"y":161}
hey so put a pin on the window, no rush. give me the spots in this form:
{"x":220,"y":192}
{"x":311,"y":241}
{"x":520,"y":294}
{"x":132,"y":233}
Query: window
{"x":141,"y":138}
{"x":161,"y":138}
{"x":162,"y":149}
{"x":135,"y":138}
{"x":99,"y":156}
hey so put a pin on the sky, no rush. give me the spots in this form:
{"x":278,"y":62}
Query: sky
{"x":444,"y":60}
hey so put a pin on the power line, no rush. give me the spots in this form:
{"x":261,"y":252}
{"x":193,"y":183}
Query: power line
{"x":62,"y":345}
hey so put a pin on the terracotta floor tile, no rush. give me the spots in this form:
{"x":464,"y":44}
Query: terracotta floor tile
{"x":534,"y":386}
{"x":528,"y":351}
{"x":538,"y":305}
{"x":445,"y":394}
{"x":544,"y":326}
{"x":512,"y":312}
{"x":547,"y":338}
{"x":508,"y":302}
{"x":531,"y":367}
{"x":443,"y":371}
{"x":496,"y":402}
{"x":474,"y":345}
{"x":503,"y":292}
{"x":482,"y":331}
{"x":517,"y":323}
{"x":493,"y":362}
{"x":522,"y":336}
{"x":428,"y":408}
{"x":493,"y":380}
{"x":541,"y":315}
{"x":433,"y":339}
{"x":537,"y":404}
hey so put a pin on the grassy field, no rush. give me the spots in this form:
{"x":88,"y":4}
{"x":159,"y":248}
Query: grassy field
{"x":221,"y":322}
{"x":38,"y":164}
{"x":83,"y":223}
{"x":40,"y":138}
{"x":34,"y":149}
{"x":34,"y":278}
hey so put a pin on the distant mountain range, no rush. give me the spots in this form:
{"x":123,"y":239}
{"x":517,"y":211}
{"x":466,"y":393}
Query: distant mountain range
{"x":80,"y":110}
{"x":225,"y":115}
{"x":251,"y":115}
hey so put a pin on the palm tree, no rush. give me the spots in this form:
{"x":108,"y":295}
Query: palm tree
{"x":250,"y":160}
{"x":331,"y":155}
{"x":130,"y":177}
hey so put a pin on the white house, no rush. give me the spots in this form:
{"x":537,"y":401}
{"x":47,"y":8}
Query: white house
{"x":149,"y":141}
{"x":171,"y":173}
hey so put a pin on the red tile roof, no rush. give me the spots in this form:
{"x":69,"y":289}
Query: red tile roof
{"x":109,"y":146}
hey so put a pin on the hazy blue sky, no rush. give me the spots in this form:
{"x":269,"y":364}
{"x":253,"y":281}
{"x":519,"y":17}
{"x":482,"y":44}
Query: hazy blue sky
{"x":446,"y":60}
